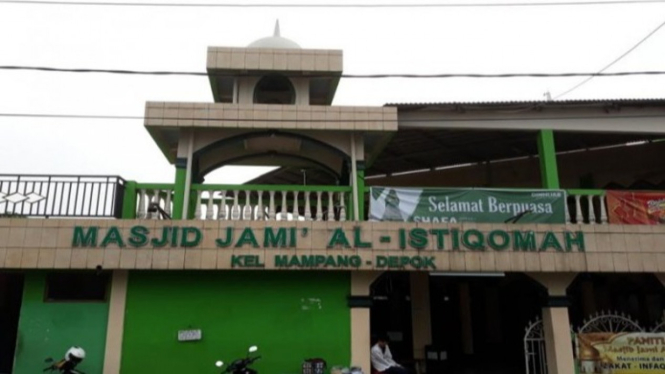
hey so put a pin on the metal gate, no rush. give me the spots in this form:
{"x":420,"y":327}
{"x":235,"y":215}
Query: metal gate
{"x":534,"y":348}
{"x":610,"y":322}
{"x":603,"y":322}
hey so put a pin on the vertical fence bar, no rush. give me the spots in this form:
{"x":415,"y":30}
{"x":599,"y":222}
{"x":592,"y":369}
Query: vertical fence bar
{"x":579,"y":218}
{"x":211,"y":202}
{"x":284,"y":212}
{"x":259,"y":208}
{"x":296,"y":209}
{"x":603,"y":211}
{"x":235,"y":211}
{"x":331,"y":207}
{"x":221,"y":212}
{"x":271,"y":211}
{"x":308,"y":207}
{"x":319,"y":212}
{"x":247,"y":210}
{"x":197,"y":210}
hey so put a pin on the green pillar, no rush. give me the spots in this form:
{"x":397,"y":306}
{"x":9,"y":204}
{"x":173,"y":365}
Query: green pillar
{"x":129,"y":201}
{"x":360,"y":182}
{"x":549,"y":173}
{"x":179,"y":189}
{"x":192,"y":204}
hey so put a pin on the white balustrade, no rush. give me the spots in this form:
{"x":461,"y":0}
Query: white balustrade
{"x":159,"y":197}
{"x":221,"y":210}
{"x":595,"y":211}
{"x":268,"y":205}
{"x":310,"y":205}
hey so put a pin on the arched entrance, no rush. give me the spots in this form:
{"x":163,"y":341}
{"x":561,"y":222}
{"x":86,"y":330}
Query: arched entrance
{"x":391,"y":314}
{"x":477,"y":320}
{"x":639,"y":295}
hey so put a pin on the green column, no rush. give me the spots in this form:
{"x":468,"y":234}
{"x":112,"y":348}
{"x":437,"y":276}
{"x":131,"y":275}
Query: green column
{"x":129,"y":201}
{"x":549,"y":173}
{"x":179,"y":188}
{"x":192,"y":204}
{"x":360,"y":182}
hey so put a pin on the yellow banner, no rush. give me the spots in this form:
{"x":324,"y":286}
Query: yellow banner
{"x":621,"y":353}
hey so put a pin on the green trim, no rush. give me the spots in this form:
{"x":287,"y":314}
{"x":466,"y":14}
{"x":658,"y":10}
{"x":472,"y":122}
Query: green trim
{"x":179,"y":192}
{"x":129,"y":201}
{"x":586,"y":192}
{"x":367,"y":188}
{"x":360,"y":181}
{"x":268,"y":187}
{"x":549,"y":173}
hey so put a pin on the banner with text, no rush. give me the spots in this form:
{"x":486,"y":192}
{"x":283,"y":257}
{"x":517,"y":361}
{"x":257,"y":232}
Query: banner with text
{"x":636,"y":208}
{"x":621,"y":353}
{"x":467,"y":205}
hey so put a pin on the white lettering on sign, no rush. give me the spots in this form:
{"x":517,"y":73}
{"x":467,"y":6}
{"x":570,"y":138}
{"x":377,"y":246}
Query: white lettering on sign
{"x":189,"y":335}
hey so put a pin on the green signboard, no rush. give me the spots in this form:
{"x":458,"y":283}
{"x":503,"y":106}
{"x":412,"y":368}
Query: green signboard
{"x":442,"y":205}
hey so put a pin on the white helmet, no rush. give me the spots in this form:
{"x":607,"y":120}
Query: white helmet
{"x":76,"y":354}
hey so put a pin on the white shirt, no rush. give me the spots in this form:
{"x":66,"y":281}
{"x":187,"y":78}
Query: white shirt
{"x":382,"y":359}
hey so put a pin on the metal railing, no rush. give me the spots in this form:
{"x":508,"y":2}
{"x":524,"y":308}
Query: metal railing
{"x":61,"y":196}
{"x":103,"y":197}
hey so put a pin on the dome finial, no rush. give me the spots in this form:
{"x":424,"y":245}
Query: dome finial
{"x":277,"y":28}
{"x":275,"y":41}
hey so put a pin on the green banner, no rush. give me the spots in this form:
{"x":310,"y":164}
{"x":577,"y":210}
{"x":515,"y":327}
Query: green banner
{"x":443,"y":205}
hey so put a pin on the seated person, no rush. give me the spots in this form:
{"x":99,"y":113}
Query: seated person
{"x":382,"y":359}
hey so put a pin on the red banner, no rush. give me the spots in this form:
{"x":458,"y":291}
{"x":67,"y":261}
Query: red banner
{"x":636,"y":208}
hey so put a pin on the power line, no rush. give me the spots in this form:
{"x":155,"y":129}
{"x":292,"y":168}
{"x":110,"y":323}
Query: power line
{"x":612,"y":63}
{"x":315,"y":75}
{"x":333,"y":5}
{"x":424,"y":120}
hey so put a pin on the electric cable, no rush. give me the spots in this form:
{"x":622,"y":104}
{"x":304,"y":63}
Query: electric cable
{"x":348,"y":76}
{"x":333,"y":5}
{"x":419,"y":120}
{"x":611,"y":63}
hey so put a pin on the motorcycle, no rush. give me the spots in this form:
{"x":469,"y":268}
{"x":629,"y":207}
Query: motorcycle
{"x":241,"y":365}
{"x":73,"y":357}
{"x":346,"y":370}
{"x":63,"y":366}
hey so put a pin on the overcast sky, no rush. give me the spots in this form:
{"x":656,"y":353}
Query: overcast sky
{"x":429,"y":40}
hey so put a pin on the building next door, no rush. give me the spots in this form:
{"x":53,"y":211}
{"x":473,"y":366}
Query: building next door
{"x":11,"y":295}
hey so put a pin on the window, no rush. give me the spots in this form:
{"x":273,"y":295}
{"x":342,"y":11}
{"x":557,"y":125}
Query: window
{"x":274,"y":89}
{"x":62,"y":287}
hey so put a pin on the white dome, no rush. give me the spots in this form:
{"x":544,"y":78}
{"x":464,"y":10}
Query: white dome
{"x":276,"y":41}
